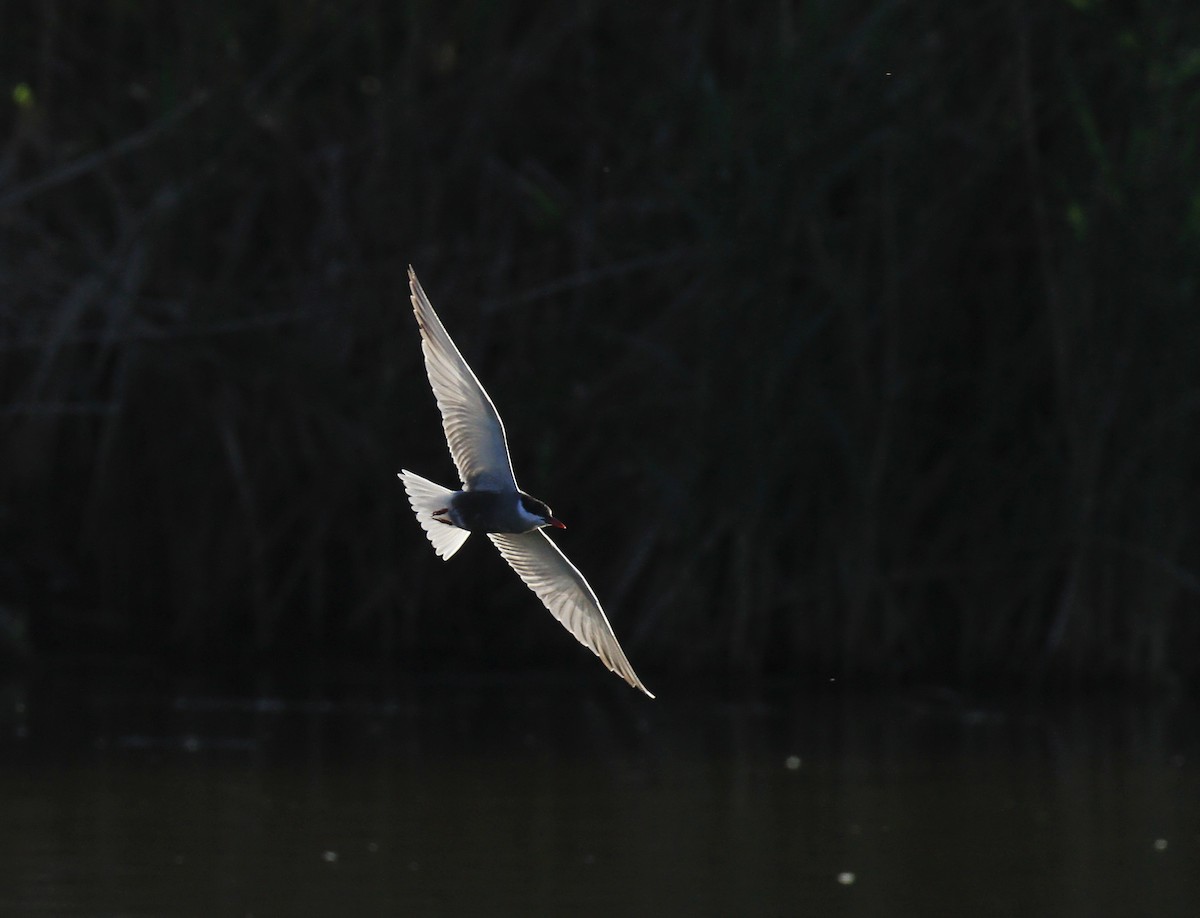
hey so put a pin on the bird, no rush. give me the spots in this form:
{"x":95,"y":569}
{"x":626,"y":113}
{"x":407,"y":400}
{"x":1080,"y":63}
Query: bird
{"x":489,"y":500}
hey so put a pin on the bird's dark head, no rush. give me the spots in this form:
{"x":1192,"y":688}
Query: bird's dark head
{"x":535,"y":507}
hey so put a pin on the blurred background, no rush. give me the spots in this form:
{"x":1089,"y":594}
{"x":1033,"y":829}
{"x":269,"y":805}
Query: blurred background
{"x":856,"y":343}
{"x":848,"y":339}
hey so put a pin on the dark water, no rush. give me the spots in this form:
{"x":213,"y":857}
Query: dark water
{"x":139,"y":797}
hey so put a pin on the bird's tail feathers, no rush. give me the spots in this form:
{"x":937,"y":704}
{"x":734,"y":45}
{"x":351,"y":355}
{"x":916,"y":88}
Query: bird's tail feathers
{"x":427,"y":499}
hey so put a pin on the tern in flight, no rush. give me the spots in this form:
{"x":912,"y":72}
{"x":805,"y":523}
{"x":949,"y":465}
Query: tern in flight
{"x":490,"y":501}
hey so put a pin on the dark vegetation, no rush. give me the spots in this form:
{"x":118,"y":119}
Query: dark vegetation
{"x":849,"y":340}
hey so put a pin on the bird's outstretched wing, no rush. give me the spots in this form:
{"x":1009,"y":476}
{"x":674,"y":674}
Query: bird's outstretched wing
{"x":473,"y":427}
{"x":562,"y":589}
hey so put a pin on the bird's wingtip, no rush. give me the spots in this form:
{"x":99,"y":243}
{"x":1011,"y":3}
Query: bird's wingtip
{"x":633,"y":680}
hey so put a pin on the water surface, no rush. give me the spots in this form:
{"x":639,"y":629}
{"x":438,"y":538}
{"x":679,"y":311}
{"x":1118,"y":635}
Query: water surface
{"x":138,"y":796}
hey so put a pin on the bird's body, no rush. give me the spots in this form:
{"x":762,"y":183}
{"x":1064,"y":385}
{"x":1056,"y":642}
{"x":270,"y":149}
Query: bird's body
{"x":498,"y":511}
{"x":490,"y":501}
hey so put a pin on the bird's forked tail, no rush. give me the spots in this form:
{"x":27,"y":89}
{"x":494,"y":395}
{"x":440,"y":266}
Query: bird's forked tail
{"x":427,"y":499}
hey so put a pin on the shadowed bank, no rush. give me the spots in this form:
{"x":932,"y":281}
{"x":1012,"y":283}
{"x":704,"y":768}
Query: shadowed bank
{"x":849,"y":342}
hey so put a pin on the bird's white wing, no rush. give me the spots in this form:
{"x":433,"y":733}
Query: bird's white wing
{"x":562,"y":589}
{"x":473,"y":427}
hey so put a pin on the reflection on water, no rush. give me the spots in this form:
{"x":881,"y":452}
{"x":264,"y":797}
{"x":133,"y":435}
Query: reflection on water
{"x":552,"y":798}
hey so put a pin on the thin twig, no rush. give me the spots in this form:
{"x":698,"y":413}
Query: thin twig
{"x":93,"y":161}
